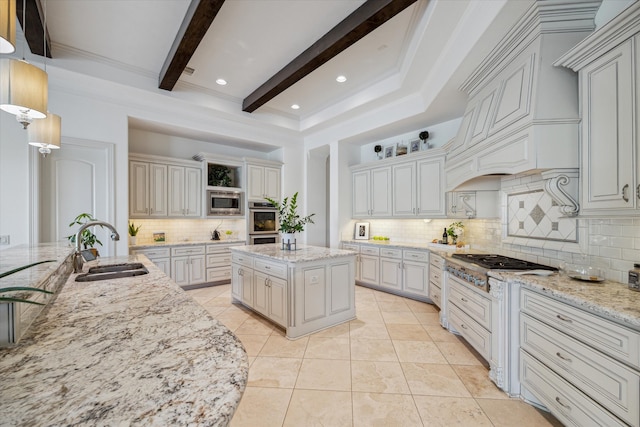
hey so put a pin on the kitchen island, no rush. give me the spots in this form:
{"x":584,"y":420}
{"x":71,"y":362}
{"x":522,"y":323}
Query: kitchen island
{"x":127,"y":351}
{"x":304,"y":290}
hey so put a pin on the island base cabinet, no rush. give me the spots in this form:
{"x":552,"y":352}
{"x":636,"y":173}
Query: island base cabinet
{"x":242,"y":284}
{"x":270,"y":297}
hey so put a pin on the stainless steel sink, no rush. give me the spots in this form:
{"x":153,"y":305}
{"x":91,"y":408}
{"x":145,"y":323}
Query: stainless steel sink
{"x":113,"y":271}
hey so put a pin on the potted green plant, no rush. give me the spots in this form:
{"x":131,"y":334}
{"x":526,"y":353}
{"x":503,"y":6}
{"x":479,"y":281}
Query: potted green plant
{"x":88,"y":239}
{"x":133,"y":232}
{"x":290,"y":221}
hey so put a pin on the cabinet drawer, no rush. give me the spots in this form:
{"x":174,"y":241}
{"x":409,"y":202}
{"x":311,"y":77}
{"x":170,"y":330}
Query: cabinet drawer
{"x":472,"y":331}
{"x":602,"y":334}
{"x":416,"y":256}
{"x":221,"y":247}
{"x":608,"y":382}
{"x":435,"y":276}
{"x":369,"y":250}
{"x":436,"y":261}
{"x":564,"y":401}
{"x":477,"y":306}
{"x":219,"y":260}
{"x":351,"y":247}
{"x":391,"y":253}
{"x":154,"y":253}
{"x":218,"y":274}
{"x":271,"y":268}
{"x":242,"y":259}
{"x":435,"y":294}
{"x":187,"y":250}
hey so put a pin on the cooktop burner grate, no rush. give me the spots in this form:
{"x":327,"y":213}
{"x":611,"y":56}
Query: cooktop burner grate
{"x":499,"y":262}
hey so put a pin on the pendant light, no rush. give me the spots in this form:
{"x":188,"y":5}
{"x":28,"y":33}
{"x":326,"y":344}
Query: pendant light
{"x":23,"y":87}
{"x":45,"y":133}
{"x":7,"y":26}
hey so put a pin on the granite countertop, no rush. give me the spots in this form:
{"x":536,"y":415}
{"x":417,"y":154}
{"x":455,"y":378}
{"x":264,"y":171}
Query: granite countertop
{"x":187,"y":243}
{"x":608,"y":299}
{"x":304,"y":253}
{"x":436,"y":247}
{"x":21,"y":255}
{"x":132,"y":351}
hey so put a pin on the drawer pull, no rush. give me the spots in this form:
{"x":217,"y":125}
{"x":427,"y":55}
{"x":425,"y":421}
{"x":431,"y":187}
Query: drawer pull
{"x":564,"y":319}
{"x":567,"y":407}
{"x":566,"y":359}
{"x":463,"y":326}
{"x":266,"y":267}
{"x":464,"y":299}
{"x":240,"y":272}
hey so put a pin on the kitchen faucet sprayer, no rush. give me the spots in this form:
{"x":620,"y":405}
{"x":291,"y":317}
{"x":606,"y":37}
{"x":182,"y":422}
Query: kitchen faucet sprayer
{"x":78,"y":261}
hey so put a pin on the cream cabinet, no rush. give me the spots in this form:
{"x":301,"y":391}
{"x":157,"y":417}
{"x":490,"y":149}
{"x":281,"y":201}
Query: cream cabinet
{"x":161,"y":257}
{"x":270,"y":297}
{"x":355,"y":248}
{"x":372,"y":192}
{"x":607,"y":63}
{"x":219,"y":262}
{"x":147,"y":189}
{"x":242,"y":278}
{"x":188,"y":265}
{"x":262,"y":182}
{"x":185,"y":191}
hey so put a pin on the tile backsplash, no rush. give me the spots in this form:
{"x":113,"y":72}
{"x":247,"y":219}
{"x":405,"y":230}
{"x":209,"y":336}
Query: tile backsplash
{"x":181,"y":230}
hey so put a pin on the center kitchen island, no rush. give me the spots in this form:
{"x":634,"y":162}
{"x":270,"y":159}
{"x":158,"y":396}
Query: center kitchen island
{"x":304,"y":290}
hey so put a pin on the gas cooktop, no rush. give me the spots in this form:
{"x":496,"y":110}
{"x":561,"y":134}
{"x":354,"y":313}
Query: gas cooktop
{"x":499,"y":262}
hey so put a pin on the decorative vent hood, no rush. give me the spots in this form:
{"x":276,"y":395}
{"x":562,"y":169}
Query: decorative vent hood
{"x":523,"y":113}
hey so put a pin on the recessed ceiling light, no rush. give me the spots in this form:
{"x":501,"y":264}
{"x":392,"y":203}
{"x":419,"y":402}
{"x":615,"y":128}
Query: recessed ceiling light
{"x":295,"y":106}
{"x":221,"y":82}
{"x":188,"y":71}
{"x":341,"y":79}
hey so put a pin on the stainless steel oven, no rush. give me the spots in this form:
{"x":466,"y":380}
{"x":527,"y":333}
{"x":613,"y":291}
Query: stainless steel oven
{"x":263,"y":218}
{"x":227,"y":203}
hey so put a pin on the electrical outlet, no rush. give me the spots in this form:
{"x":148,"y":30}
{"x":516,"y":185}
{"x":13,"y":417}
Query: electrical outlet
{"x":4,"y":240}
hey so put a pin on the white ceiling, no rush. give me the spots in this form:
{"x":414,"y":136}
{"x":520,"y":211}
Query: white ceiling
{"x":250,"y":40}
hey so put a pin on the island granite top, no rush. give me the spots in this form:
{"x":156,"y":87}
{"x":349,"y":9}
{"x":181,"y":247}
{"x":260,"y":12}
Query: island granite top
{"x":131,"y":351}
{"x":303,"y":253}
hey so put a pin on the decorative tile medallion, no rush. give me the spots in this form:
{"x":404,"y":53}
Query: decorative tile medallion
{"x":534,"y":215}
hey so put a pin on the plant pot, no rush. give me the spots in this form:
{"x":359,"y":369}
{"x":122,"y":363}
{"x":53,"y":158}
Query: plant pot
{"x":288,"y":240}
{"x":133,"y":240}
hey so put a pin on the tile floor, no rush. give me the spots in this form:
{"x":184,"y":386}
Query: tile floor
{"x":392,"y":366}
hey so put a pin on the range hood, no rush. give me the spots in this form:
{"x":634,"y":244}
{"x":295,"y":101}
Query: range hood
{"x":523,"y":113}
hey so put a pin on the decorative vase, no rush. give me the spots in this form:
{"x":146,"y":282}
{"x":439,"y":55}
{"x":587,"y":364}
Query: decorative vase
{"x":132,"y":240}
{"x":288,"y":240}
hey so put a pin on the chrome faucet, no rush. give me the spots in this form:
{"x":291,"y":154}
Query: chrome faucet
{"x":78,"y":261}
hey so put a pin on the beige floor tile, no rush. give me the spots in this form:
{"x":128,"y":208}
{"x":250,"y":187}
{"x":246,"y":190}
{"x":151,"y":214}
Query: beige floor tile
{"x":378,"y":377}
{"x":367,"y":305}
{"x":419,"y":352}
{"x":231,"y":322}
{"x":237,"y":308}
{"x":277,"y":372}
{"x":433,"y":380}
{"x":421,"y":307}
{"x":218,"y":301}
{"x":440,"y":334}
{"x":458,"y":354}
{"x":451,"y":411}
{"x":396,"y":305}
{"x":374,"y":350}
{"x":215,"y":311}
{"x":361,"y":330}
{"x":428,"y":318}
{"x":369,"y":316}
{"x":328,"y":348}
{"x":264,"y":407}
{"x":513,"y":412}
{"x":280,"y":346}
{"x":476,"y":380}
{"x":320,"y":374}
{"x":384,"y":410}
{"x":407,"y":332}
{"x":251,"y":360}
{"x":400,"y":317}
{"x":253,"y":343}
{"x":319,"y":408}
{"x":255,"y":326}
{"x":338,"y":331}
{"x":383,"y":296}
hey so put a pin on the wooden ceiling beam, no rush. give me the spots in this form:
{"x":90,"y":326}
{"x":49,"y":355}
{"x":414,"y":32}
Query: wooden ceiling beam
{"x":197,"y":21}
{"x":354,"y":27}
{"x":35,"y":34}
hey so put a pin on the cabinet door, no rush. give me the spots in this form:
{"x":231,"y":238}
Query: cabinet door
{"x":404,"y":189}
{"x":255,"y":181}
{"x":247,"y":287}
{"x":369,"y":269}
{"x":272,"y":183}
{"x":180,"y":270}
{"x":157,"y":190}
{"x":608,"y":179}
{"x":261,"y":293}
{"x":192,"y":192}
{"x":163,"y":264}
{"x":138,"y":189}
{"x":176,"y":190}
{"x":361,"y":186}
{"x":391,"y":273}
{"x":236,"y":281}
{"x":380,"y":192}
{"x":197,"y":271}
{"x":278,"y":300}
{"x":430,"y":198}
{"x":416,"y":278}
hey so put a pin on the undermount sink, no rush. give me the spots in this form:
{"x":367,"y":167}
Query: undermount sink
{"x":113,"y":271}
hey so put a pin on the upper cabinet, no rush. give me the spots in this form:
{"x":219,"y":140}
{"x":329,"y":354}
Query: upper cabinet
{"x":608,"y":64}
{"x":522,"y":112}
{"x":162,"y":187}
{"x":263,"y":180}
{"x":372,"y":192}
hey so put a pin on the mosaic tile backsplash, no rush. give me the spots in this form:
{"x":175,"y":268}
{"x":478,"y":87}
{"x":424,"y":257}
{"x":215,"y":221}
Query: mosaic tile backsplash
{"x":185,"y":230}
{"x":536,"y":216}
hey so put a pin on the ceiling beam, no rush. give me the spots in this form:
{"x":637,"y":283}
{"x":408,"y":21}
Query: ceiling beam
{"x":35,"y":34}
{"x":197,"y":21}
{"x":357,"y":25}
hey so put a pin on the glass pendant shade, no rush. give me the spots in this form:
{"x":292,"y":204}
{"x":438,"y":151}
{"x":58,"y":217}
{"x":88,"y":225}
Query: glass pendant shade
{"x":23,"y":90}
{"x":45,"y":133}
{"x":7,"y":26}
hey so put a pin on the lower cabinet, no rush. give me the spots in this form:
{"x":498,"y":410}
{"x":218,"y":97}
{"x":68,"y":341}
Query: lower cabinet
{"x":270,"y":297}
{"x":188,"y":265}
{"x":436,"y":276}
{"x":219,"y":262}
{"x":242,"y":279}
{"x":161,"y":257}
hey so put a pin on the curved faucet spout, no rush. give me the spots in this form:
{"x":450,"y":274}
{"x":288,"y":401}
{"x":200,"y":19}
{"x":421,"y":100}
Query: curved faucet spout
{"x":78,"y":261}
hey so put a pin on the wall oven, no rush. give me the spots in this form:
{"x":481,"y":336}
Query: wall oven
{"x":227,"y":203}
{"x":263,"y":223}
{"x":263,"y":239}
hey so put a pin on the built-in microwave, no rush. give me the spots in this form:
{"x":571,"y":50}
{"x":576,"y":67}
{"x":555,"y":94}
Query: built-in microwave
{"x":227,"y":203}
